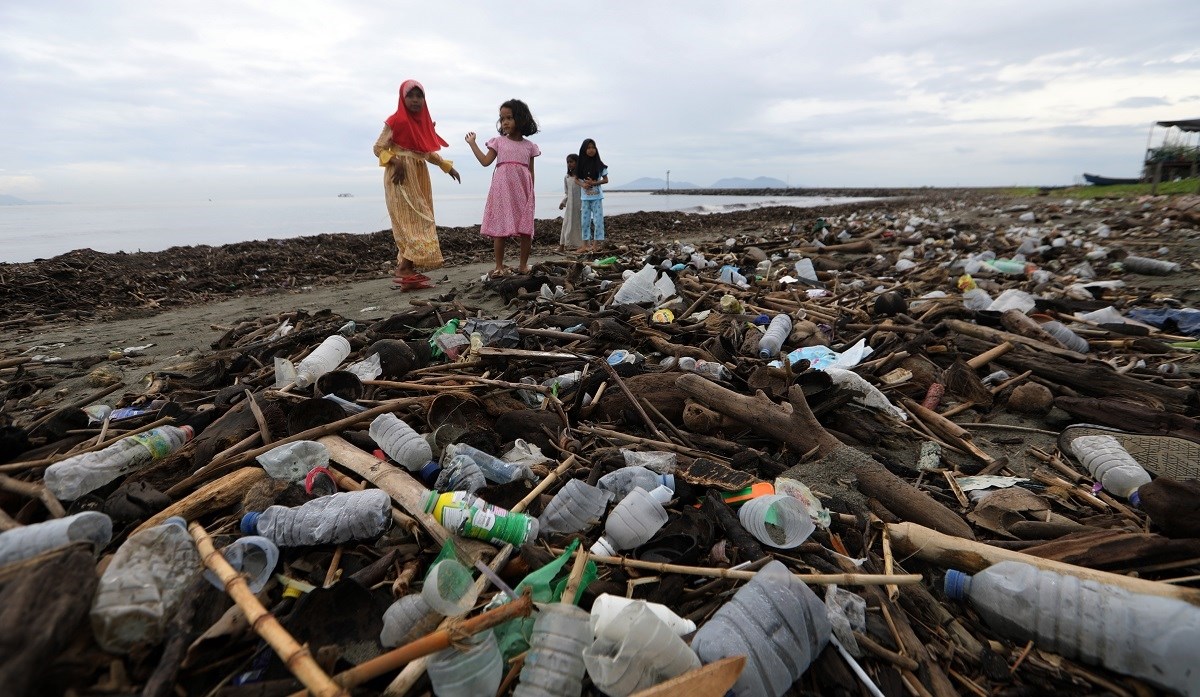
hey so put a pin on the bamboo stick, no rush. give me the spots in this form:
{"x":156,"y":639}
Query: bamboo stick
{"x":990,"y":355}
{"x":78,"y":403}
{"x":715,"y":572}
{"x":430,"y":643}
{"x":295,"y":656}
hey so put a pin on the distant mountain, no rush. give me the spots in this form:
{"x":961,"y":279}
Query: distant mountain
{"x":652,"y":184}
{"x":6,"y":200}
{"x":742,"y":183}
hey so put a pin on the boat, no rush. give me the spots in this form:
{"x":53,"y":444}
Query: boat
{"x":345,"y":195}
{"x":1098,"y":180}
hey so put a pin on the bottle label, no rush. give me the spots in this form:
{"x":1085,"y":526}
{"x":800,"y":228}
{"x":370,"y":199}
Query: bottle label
{"x":156,"y":441}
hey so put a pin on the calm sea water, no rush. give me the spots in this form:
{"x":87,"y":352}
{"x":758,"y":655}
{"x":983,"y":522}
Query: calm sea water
{"x":29,"y":232}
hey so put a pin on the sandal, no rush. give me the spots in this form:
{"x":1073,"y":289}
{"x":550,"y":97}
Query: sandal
{"x":413,"y":282}
{"x":499,"y":273}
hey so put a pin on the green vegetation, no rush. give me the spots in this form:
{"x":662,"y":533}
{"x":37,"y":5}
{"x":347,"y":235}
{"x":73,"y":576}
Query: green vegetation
{"x":1183,"y":186}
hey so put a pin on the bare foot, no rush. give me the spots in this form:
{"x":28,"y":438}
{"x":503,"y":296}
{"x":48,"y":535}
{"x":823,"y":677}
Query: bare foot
{"x":523,"y":270}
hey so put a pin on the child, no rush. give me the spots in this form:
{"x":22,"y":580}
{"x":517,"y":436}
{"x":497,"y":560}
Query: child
{"x":572,"y":232}
{"x":510,"y":204}
{"x":407,"y":142}
{"x":591,"y":173}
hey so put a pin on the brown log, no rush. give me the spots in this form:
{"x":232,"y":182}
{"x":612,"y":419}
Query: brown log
{"x":209,"y":498}
{"x":910,"y":503}
{"x":967,"y":555}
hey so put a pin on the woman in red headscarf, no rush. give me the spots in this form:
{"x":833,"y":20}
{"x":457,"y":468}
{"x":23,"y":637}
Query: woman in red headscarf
{"x":407,"y":142}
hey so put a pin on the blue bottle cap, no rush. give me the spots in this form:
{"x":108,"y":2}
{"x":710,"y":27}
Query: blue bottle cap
{"x":957,"y":584}
{"x":1136,"y":499}
{"x":762,"y":319}
{"x":429,"y":471}
{"x":250,"y":523}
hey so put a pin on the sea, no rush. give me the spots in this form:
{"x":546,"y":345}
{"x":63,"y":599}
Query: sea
{"x":40,"y":231}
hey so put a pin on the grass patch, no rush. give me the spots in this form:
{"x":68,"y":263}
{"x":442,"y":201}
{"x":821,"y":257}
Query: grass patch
{"x":1183,"y":186}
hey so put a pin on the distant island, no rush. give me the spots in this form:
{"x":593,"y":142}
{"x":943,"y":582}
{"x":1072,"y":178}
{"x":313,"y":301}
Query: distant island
{"x":6,"y":200}
{"x":654,"y":184}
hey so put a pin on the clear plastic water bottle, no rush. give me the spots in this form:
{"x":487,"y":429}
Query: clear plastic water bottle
{"x":1146,"y":636}
{"x":470,"y":516}
{"x":253,"y":557}
{"x":636,"y":650}
{"x":712,"y":370}
{"x":554,"y":665}
{"x":1065,"y":336}
{"x":633,"y":521}
{"x":460,"y":474}
{"x":1110,"y":464}
{"x":75,"y":476}
{"x":494,"y":469}
{"x":407,"y":619}
{"x":143,"y":586}
{"x":777,"y":333}
{"x":400,"y":442}
{"x":31,"y":540}
{"x":576,"y":507}
{"x":776,"y":622}
{"x":323,"y":359}
{"x":624,"y":480}
{"x":472,"y":670}
{"x":333,"y":519}
{"x":777,"y":520}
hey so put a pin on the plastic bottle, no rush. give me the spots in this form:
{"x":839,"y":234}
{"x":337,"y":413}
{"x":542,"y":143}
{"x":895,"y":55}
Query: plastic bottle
{"x":400,"y":442}
{"x":494,"y":469}
{"x":333,"y":519}
{"x":75,"y":476}
{"x":143,"y":586}
{"x":624,"y":480}
{"x":554,"y":665}
{"x":323,"y":359}
{"x":1147,"y":636}
{"x":636,"y":650}
{"x":449,"y":588}
{"x":1110,"y":464}
{"x":777,"y":520}
{"x":709,"y":369}
{"x":407,"y":619}
{"x":291,"y":462}
{"x":776,"y":622}
{"x":31,"y":540}
{"x":1148,"y":266}
{"x":470,"y":516}
{"x":251,"y":556}
{"x":576,"y":507}
{"x":460,"y":474}
{"x":633,"y":521}
{"x":1066,"y":337}
{"x":606,"y":606}
{"x":777,"y":333}
{"x":476,"y":669}
{"x":976,"y":299}
{"x":1010,"y":267}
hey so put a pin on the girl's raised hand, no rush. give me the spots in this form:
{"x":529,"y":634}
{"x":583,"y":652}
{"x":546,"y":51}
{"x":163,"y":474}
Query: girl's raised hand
{"x":470,"y":138}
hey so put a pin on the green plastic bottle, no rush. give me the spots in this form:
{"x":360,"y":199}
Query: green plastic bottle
{"x":470,"y":516}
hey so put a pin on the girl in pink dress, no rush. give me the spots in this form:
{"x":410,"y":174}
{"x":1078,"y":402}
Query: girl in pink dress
{"x":509,"y":209}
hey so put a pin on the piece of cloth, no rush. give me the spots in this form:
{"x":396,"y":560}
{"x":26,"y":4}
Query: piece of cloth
{"x":1184,"y":321}
{"x":414,"y":131}
{"x":410,"y":204}
{"x":596,"y":192}
{"x":592,"y":211}
{"x":510,"y":202}
{"x":572,"y":230}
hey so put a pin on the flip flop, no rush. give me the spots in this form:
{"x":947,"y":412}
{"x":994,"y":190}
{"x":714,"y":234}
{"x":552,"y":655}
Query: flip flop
{"x":1161,"y":455}
{"x":413,"y":282}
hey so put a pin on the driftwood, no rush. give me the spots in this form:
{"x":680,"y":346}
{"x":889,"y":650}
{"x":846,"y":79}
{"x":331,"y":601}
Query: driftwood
{"x":1115,"y":549}
{"x":1129,"y":416}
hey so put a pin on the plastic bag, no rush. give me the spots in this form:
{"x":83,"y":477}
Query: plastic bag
{"x":848,"y":614}
{"x":495,"y":332}
{"x":661,"y":462}
{"x":638,"y":288}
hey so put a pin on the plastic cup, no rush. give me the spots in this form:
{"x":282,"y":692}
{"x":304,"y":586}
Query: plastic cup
{"x":777,"y":520}
{"x":449,"y":588}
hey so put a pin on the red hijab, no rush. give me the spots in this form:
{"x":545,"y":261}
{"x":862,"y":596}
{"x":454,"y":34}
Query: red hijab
{"x":414,"y":131}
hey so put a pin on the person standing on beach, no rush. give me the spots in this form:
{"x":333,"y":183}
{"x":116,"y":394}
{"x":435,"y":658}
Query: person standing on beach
{"x":407,"y":142}
{"x":572,"y":231}
{"x":510,"y":202}
{"x":591,"y":173}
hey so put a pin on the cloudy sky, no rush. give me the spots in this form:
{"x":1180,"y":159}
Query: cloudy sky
{"x":133,"y":101}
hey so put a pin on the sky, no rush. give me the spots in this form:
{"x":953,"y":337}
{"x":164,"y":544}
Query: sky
{"x":132,"y":101}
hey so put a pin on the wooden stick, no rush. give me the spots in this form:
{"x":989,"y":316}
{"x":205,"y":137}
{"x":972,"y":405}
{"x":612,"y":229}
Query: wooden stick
{"x":210,"y":497}
{"x":715,"y":572}
{"x":990,"y":355}
{"x":78,"y":403}
{"x":259,"y":418}
{"x":296,"y":657}
{"x":658,"y":444}
{"x":543,"y":485}
{"x":633,"y":400}
{"x":34,"y":490}
{"x":973,"y":556}
{"x":430,"y":643}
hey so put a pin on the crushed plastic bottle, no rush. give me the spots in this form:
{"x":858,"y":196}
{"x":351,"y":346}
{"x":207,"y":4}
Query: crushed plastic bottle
{"x":400,"y":442}
{"x":621,"y":481}
{"x":143,"y":586}
{"x":75,"y":476}
{"x":333,"y":519}
{"x":31,"y":540}
{"x":1110,"y":464}
{"x":1146,"y":636}
{"x":633,"y":521}
{"x":493,"y":468}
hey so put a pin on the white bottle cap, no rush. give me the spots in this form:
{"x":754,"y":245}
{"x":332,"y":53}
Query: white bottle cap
{"x":603,"y":548}
{"x":661,"y":494}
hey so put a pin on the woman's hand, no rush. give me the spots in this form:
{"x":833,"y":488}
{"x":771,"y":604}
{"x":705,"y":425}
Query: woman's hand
{"x":454,"y":175}
{"x":397,"y":171}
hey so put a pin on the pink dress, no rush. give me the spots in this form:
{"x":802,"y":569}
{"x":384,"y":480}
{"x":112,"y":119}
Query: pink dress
{"x":509,"y":208}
